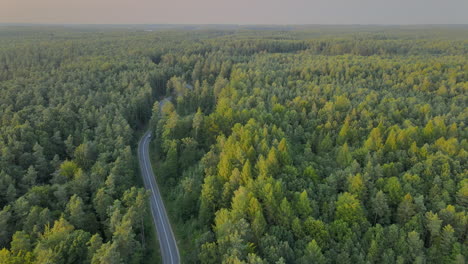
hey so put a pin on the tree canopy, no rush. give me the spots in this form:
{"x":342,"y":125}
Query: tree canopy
{"x":301,"y":145}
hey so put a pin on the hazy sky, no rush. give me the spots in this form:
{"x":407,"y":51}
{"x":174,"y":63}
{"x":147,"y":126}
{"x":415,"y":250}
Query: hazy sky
{"x":235,"y":11}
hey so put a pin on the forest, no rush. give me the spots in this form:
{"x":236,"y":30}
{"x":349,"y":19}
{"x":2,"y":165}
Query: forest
{"x":280,"y":145}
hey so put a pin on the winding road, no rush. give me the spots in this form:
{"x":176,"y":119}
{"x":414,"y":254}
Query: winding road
{"x":167,"y":242}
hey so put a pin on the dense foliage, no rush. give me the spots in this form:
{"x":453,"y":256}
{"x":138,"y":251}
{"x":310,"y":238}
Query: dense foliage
{"x":69,"y":108}
{"x":291,"y":145}
{"x":346,"y":149}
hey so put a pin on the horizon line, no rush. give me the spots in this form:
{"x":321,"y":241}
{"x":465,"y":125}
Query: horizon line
{"x":237,"y":24}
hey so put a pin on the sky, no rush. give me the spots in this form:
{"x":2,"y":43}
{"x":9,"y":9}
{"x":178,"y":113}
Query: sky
{"x":234,"y":11}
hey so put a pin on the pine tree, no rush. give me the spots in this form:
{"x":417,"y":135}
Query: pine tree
{"x":356,"y":185}
{"x":21,"y":242}
{"x":296,"y":227}
{"x":246,"y":174}
{"x":94,"y":244}
{"x":349,"y":209}
{"x":380,"y":208}
{"x":433,"y":225}
{"x":259,"y":225}
{"x":326,"y":144}
{"x":415,"y":245}
{"x":30,"y":178}
{"x":40,"y":163}
{"x":76,"y":213}
{"x":209,"y":198}
{"x":5,"y":226}
{"x":171,"y":163}
{"x":373,"y":252}
{"x":85,"y":155}
{"x":102,"y":201}
{"x":284,"y":156}
{"x":447,"y":239}
{"x":344,"y":157}
{"x":313,"y":254}
{"x":374,"y":141}
{"x":285,"y":213}
{"x":107,"y":254}
{"x":343,"y":135}
{"x":311,"y":174}
{"x":391,"y":142}
{"x":303,"y":205}
{"x":197,"y":124}
{"x":406,"y":209}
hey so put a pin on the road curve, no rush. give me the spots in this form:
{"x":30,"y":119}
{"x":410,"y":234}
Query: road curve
{"x":167,"y":242}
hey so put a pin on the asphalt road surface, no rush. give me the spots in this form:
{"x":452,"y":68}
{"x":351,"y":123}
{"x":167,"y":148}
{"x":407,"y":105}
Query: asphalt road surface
{"x":167,"y":242}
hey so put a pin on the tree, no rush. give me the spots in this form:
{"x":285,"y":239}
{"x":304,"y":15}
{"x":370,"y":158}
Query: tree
{"x":8,"y":257}
{"x":415,"y":245}
{"x":136,"y":201}
{"x":391,"y":142}
{"x":258,"y":225}
{"x":240,"y":203}
{"x":5,"y":216}
{"x":69,"y":145}
{"x":406,"y":209}
{"x":349,"y":209}
{"x":283,"y":152}
{"x":310,"y":173}
{"x":21,"y":243}
{"x":433,"y":225}
{"x":285,"y":213}
{"x":374,"y":141}
{"x":107,"y":254}
{"x":85,"y":155}
{"x":313,"y":254}
{"x":394,"y":190}
{"x":373,"y":252}
{"x":343,"y":135}
{"x":462,"y":193}
{"x":75,"y":210}
{"x":40,"y":162}
{"x":272,"y":162}
{"x":447,"y":239}
{"x":380,"y":208}
{"x":189,"y":153}
{"x":318,"y":230}
{"x":197,"y":123}
{"x":246,"y":174}
{"x":124,"y":239}
{"x":30,"y":178}
{"x":428,"y":131}
{"x":155,"y":117}
{"x":68,"y":169}
{"x":326,"y":144}
{"x":344,"y":157}
{"x":209,"y":253}
{"x":356,"y":185}
{"x":94,"y":244}
{"x":209,"y":197}
{"x":171,"y":164}
{"x":303,"y":205}
{"x":102,"y":201}
{"x":296,"y":227}
{"x":62,"y":244}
